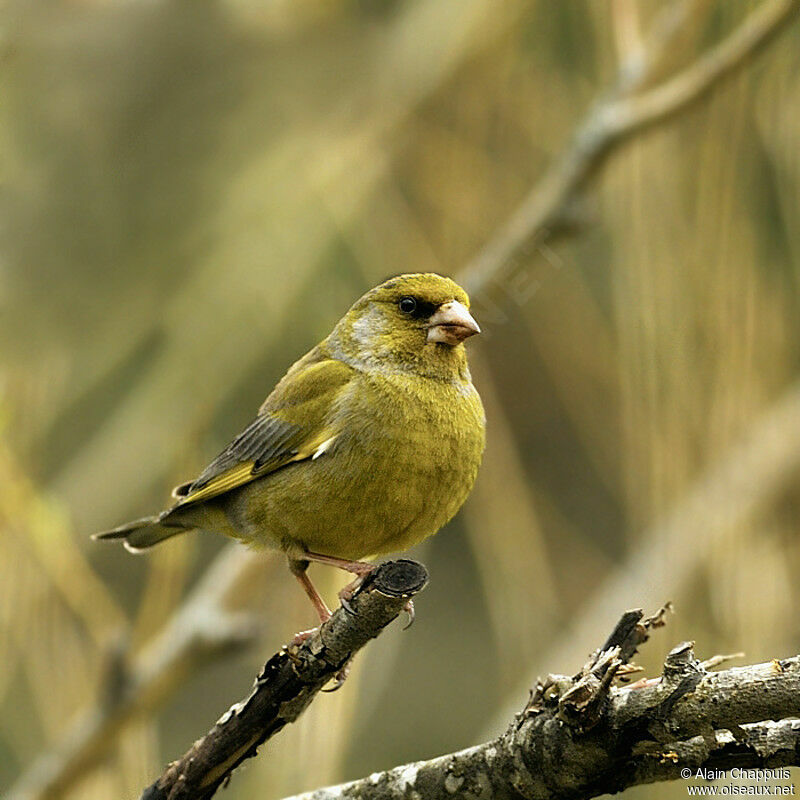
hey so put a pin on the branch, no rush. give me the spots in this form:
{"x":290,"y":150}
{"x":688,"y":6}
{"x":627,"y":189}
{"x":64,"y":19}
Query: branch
{"x":580,"y":737}
{"x":623,"y":112}
{"x":633,"y":113}
{"x":738,"y":485}
{"x":288,"y":683}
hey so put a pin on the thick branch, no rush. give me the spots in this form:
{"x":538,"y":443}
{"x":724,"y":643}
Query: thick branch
{"x":578,"y":737}
{"x":288,"y":683}
{"x":746,"y":478}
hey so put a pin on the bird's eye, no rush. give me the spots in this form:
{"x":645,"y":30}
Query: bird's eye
{"x":408,"y":305}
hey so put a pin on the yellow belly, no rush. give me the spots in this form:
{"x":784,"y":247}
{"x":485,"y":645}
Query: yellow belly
{"x":389,"y":481}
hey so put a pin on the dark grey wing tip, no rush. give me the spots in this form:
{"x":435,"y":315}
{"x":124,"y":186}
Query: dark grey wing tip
{"x":263,"y":440}
{"x":129,"y":528}
{"x":108,"y":535}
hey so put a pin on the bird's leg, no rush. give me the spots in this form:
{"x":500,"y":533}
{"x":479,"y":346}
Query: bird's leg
{"x":358,"y":568}
{"x":298,"y":568}
{"x":361,"y":569}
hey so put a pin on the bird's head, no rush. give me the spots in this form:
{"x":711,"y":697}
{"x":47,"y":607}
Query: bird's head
{"x":415,"y":323}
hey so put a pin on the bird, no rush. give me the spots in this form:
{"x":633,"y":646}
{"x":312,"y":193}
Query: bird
{"x":370,"y":443}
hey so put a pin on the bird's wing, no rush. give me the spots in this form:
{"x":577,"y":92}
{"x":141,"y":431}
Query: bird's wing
{"x":292,"y":425}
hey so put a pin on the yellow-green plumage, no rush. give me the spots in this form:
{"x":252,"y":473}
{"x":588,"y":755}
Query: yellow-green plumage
{"x":369,"y":444}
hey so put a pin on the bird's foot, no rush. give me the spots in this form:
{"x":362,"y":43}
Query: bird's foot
{"x":346,"y":596}
{"x":362,"y":573}
{"x":340,"y":677}
{"x":300,"y":637}
{"x":345,"y":603}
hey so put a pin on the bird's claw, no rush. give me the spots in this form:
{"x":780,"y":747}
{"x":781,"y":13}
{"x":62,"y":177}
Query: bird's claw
{"x":347,"y":594}
{"x":340,"y":677}
{"x":297,"y":640}
{"x":345,"y":601}
{"x":412,"y":614}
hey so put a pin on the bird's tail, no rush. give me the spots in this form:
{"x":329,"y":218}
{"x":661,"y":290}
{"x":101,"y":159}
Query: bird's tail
{"x":143,"y":533}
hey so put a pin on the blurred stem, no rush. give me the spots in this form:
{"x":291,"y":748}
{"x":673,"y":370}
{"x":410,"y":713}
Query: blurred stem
{"x":202,"y":630}
{"x":626,"y":110}
{"x":38,"y":525}
{"x":629,"y":114}
{"x":626,"y":27}
{"x":525,"y":606}
{"x":730,"y":493}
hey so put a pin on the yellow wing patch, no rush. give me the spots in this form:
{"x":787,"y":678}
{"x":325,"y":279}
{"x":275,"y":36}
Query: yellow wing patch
{"x":247,"y":471}
{"x":240,"y":474}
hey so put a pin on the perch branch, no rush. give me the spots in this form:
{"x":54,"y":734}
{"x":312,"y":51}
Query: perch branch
{"x":625,"y":110}
{"x":288,"y":683}
{"x":581,"y":737}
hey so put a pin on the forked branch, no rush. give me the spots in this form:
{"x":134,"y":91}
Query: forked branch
{"x":582,"y":736}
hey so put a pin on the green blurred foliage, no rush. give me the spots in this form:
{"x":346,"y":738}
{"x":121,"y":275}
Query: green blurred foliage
{"x":194,"y":192}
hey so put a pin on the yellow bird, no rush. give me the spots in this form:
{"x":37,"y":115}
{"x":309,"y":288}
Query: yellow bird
{"x":370,"y":443}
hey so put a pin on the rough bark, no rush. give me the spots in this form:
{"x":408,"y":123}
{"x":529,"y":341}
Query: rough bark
{"x":287,"y":684}
{"x":580,"y":737}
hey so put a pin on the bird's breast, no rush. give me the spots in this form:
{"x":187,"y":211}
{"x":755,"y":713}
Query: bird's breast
{"x":415,"y":461}
{"x":402,"y":462}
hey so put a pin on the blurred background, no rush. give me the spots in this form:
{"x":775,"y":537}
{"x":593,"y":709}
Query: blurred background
{"x":193,"y":193}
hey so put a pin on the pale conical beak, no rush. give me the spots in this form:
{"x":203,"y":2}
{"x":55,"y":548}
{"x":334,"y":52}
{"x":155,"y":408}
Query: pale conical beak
{"x":451,"y":323}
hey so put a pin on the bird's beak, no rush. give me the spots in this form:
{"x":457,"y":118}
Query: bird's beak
{"x":451,"y":323}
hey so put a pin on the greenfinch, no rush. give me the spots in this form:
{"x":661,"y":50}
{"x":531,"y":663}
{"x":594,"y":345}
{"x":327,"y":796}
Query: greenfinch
{"x":370,"y":443}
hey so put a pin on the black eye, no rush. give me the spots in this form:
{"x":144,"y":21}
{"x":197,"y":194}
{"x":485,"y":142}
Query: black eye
{"x":408,"y":305}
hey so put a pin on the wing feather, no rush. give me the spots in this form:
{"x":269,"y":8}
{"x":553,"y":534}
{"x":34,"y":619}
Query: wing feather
{"x":293,"y":424}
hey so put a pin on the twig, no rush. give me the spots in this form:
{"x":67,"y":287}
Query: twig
{"x":715,"y":661}
{"x":633,"y":113}
{"x":623,"y":112}
{"x":580,"y":737}
{"x":288,"y":683}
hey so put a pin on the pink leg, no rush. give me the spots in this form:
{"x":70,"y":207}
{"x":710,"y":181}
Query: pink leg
{"x":358,"y":568}
{"x":298,"y":569}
